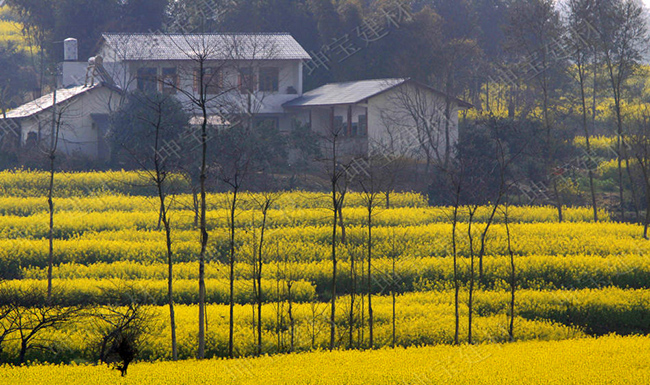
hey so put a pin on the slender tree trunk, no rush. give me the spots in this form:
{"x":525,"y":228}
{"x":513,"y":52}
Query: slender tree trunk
{"x":484,"y":236}
{"x":231,"y":297}
{"x":203,"y":229}
{"x":470,"y":303}
{"x":370,"y":314}
{"x":341,"y":221}
{"x":170,"y":290}
{"x":260,"y":262}
{"x":334,"y":263}
{"x":394,"y":302}
{"x":513,"y":281}
{"x":635,"y":201}
{"x":585,"y":127}
{"x":292,"y":321}
{"x":455,"y":256}
{"x":335,"y":207}
{"x":50,"y":203}
{"x":352,"y":297}
{"x":647,"y":210}
{"x":168,"y":244}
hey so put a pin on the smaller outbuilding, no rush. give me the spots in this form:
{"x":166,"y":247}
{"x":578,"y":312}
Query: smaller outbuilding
{"x":81,"y":116}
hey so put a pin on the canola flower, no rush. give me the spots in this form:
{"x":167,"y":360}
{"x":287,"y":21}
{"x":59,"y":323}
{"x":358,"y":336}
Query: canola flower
{"x":606,"y":360}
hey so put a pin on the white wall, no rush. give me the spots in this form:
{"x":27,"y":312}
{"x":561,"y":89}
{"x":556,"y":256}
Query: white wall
{"x":392,"y":128}
{"x":76,"y":133}
{"x":263,"y":102}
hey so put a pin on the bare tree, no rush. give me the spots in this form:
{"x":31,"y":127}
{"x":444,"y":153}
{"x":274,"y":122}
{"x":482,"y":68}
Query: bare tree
{"x":580,"y":19}
{"x":336,"y":171}
{"x":639,"y":141}
{"x":121,"y":324}
{"x":264,"y":202}
{"x":30,"y":318}
{"x":51,"y":153}
{"x":201,"y":51}
{"x":372,"y":182}
{"x":623,"y":36}
{"x":456,"y":183}
{"x":533,"y":27}
{"x":146,"y":123}
{"x":417,"y":127}
{"x":513,"y":274}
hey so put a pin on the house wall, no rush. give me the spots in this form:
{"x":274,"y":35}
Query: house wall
{"x":289,"y":81}
{"x":392,"y":128}
{"x":320,"y":119}
{"x":77,"y":134}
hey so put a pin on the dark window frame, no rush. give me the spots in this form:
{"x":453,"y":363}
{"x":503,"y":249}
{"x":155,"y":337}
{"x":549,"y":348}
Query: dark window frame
{"x":147,"y":79}
{"x":269,"y":79}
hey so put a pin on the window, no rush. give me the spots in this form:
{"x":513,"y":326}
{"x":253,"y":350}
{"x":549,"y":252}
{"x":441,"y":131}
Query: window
{"x":270,"y":124}
{"x":212,"y":80}
{"x":246,"y":80}
{"x":338,"y":128}
{"x":147,"y":81}
{"x":269,"y":79}
{"x":169,"y":81}
{"x":363,"y":125}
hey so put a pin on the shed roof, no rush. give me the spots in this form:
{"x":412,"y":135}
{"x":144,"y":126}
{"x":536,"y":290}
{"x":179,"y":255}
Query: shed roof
{"x":215,"y":46}
{"x":355,"y":92}
{"x":46,"y":101}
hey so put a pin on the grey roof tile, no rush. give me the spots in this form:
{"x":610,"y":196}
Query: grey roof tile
{"x":344,"y":93}
{"x":356,"y":92}
{"x":45,"y":102}
{"x":222,"y":46}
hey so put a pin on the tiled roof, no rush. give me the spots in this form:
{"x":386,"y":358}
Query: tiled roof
{"x":45,"y":102}
{"x":222,"y":46}
{"x":356,"y":92}
{"x":344,"y":93}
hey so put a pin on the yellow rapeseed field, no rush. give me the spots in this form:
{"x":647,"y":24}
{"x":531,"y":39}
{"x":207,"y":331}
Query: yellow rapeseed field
{"x":607,"y":360}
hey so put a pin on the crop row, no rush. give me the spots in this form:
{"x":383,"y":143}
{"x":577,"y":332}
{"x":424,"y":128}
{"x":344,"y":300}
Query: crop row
{"x":70,"y":223}
{"x":607,"y":360}
{"x":304,"y":200}
{"x":421,"y":318}
{"x":598,"y":311}
{"x":417,"y":274}
{"x":312,"y":244}
{"x":424,"y":318}
{"x":75,"y":292}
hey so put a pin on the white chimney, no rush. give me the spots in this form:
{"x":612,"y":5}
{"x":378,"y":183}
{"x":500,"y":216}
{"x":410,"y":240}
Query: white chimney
{"x":70,"y":50}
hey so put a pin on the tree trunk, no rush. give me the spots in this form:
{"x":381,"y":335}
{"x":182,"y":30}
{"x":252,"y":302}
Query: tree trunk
{"x":170,"y":291}
{"x":260,"y":262}
{"x":470,"y":302}
{"x":394,"y":284}
{"x":370,"y":314}
{"x":585,"y":128}
{"x":204,"y":231}
{"x":513,"y":282}
{"x":456,"y":282}
{"x":231,"y":297}
{"x":352,"y":295}
{"x":50,"y":203}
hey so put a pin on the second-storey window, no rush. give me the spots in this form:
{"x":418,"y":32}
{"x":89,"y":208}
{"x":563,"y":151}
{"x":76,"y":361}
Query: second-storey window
{"x":169,"y":80}
{"x":212,"y":80}
{"x":269,"y":79}
{"x":147,"y":79}
{"x":246,"y":80}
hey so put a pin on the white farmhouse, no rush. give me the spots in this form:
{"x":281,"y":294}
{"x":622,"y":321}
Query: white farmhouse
{"x":390,"y":117}
{"x":80,"y":117}
{"x":259,"y":74}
